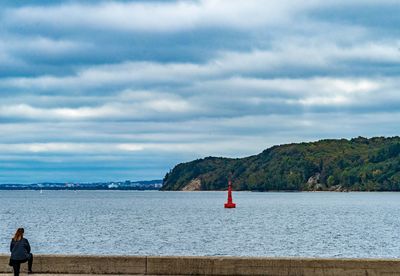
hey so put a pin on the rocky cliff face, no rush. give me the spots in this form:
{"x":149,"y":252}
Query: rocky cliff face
{"x":313,"y":183}
{"x":193,"y":185}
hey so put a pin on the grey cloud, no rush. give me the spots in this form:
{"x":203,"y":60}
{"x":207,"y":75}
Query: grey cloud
{"x":323,"y":57}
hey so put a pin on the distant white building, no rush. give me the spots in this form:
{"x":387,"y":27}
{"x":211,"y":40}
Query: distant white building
{"x":112,"y":186}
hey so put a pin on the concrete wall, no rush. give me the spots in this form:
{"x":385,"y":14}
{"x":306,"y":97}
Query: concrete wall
{"x":208,"y":266}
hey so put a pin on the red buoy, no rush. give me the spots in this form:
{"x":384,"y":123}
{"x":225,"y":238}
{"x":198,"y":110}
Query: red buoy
{"x":229,"y":203}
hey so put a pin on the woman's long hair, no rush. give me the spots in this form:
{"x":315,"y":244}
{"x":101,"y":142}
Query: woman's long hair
{"x":19,"y":234}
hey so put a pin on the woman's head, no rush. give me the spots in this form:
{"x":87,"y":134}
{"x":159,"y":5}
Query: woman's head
{"x":19,"y":234}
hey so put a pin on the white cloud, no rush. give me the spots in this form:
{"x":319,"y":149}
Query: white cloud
{"x":174,"y":16}
{"x":68,"y":148}
{"x":128,"y":105}
{"x":45,"y":45}
{"x":122,"y":74}
{"x":27,"y":111}
{"x":162,"y":17}
{"x":328,"y":101}
{"x":315,"y":91}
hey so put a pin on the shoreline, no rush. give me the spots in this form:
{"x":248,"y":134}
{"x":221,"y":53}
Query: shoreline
{"x":224,"y":191}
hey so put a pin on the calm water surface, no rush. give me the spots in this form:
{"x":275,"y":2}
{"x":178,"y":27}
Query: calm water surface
{"x":195,"y":223}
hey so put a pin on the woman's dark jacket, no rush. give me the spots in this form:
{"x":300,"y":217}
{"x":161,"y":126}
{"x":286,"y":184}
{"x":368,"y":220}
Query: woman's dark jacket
{"x":20,"y":250}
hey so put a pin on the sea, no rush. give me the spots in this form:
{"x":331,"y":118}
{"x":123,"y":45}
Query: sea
{"x":273,"y":224}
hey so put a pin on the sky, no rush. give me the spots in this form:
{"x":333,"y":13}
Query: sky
{"x":116,"y":90}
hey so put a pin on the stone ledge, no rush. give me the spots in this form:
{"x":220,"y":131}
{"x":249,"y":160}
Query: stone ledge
{"x":47,"y":274}
{"x":153,"y":265}
{"x":58,"y":264}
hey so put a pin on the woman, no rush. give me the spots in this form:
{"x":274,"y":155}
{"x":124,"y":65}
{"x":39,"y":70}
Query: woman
{"x":20,"y":252}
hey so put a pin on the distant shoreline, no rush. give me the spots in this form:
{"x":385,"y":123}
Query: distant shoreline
{"x":77,"y":189}
{"x":157,"y":189}
{"x":285,"y":191}
{"x":75,"y":186}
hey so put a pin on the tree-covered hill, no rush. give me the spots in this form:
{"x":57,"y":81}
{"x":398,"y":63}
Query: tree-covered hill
{"x":359,"y":164}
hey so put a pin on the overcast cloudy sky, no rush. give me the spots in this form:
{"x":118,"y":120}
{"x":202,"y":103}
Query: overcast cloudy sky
{"x":115,"y":90}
